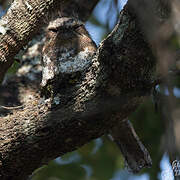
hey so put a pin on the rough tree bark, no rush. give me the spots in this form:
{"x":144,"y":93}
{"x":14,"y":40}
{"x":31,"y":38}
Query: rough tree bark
{"x":117,"y":81}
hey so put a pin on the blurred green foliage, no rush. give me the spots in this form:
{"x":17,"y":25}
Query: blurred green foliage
{"x":84,"y":163}
{"x":13,"y":68}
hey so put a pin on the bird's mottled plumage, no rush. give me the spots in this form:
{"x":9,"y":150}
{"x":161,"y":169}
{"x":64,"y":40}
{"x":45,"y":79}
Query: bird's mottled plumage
{"x":68,"y":48}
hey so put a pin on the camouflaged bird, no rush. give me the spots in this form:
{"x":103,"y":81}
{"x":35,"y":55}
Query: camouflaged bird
{"x":68,"y":50}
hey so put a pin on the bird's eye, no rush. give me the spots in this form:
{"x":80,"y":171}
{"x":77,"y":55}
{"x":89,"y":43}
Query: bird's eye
{"x":55,"y":30}
{"x":77,"y":26}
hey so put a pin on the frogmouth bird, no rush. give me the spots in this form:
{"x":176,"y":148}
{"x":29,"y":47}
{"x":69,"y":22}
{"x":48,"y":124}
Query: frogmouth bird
{"x":68,"y":50}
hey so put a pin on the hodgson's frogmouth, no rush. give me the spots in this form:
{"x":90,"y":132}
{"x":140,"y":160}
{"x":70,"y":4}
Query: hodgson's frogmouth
{"x":68,"y":50}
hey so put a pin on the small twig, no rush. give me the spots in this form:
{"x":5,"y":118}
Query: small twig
{"x":11,"y":108}
{"x":162,"y":79}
